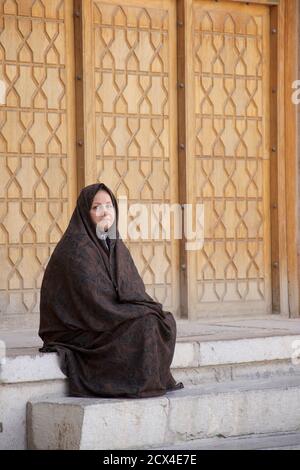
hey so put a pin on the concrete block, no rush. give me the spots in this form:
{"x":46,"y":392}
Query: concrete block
{"x":230,"y":409}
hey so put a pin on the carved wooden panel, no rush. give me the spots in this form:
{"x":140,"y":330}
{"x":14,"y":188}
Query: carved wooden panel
{"x":230,"y":155}
{"x":130,"y":141}
{"x":130,"y":105}
{"x":37,"y":157}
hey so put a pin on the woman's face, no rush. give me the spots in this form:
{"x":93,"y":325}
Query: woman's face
{"x":102,"y":211}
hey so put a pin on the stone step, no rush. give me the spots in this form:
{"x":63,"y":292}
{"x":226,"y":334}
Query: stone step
{"x":27,"y":374}
{"x":229,"y":409}
{"x":278,"y":441}
{"x":206,"y":356}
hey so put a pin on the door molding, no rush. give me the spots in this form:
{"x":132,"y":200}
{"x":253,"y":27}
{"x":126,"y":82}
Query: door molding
{"x":284,"y":173}
{"x":284,"y":165}
{"x":127,"y":122}
{"x":288,"y":23}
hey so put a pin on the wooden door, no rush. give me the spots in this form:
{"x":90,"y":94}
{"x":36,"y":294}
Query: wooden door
{"x":120,"y":84}
{"x":37,"y":147}
{"x":228,"y":156}
{"x":130,"y":120}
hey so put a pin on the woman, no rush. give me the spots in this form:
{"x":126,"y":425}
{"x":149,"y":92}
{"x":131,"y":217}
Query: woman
{"x":112,"y":338}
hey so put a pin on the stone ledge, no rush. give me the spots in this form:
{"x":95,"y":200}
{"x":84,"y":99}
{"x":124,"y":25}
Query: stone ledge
{"x":230,"y":409}
{"x":188,"y":354}
{"x":284,"y":441}
{"x":240,"y":351}
{"x":30,"y":368}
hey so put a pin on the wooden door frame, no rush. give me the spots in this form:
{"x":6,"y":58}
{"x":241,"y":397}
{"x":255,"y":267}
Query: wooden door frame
{"x":284,"y":41}
{"x":289,"y":22}
{"x":284,"y":173}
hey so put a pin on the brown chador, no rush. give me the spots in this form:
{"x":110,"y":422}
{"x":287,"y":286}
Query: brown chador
{"x":112,"y":338}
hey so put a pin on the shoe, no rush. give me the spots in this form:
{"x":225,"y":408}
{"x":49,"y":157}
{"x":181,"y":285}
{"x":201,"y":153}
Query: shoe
{"x":177,"y":386}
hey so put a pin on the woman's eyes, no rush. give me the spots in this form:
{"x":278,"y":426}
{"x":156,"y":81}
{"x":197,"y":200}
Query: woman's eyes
{"x":108,"y":206}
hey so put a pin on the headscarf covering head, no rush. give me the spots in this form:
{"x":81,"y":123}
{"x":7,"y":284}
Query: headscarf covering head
{"x":84,"y":203}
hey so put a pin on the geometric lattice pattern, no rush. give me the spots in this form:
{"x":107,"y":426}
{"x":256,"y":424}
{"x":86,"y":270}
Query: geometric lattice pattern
{"x":133,"y":79}
{"x":34,"y":193}
{"x":232,"y":156}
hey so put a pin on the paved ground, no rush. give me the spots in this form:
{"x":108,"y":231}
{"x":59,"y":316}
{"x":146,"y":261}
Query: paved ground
{"x":27,"y":340}
{"x":222,"y":329}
